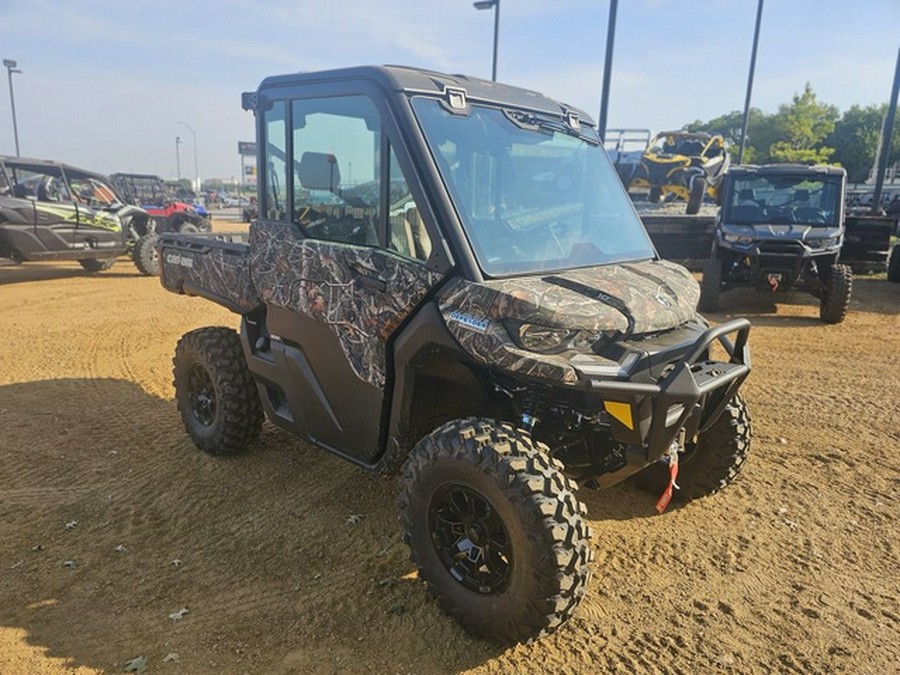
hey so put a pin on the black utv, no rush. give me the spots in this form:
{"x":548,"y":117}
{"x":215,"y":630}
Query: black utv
{"x":780,"y":228}
{"x":447,"y":278}
{"x":53,"y":211}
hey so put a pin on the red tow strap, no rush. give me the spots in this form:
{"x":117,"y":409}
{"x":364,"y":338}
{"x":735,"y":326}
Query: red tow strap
{"x":667,"y":494}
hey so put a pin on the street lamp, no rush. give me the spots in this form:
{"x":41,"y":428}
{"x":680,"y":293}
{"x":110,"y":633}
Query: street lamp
{"x":196,"y":170}
{"x":495,"y":4}
{"x":178,"y":156}
{"x":10,"y":69}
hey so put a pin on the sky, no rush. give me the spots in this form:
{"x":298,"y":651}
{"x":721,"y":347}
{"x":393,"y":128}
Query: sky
{"x":108,"y":85}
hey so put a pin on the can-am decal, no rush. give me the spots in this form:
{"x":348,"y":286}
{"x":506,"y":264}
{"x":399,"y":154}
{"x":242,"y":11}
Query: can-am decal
{"x":181,"y":260}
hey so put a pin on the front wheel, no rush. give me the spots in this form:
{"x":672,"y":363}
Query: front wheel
{"x":836,"y":296}
{"x":145,"y":255}
{"x":711,"y":462}
{"x":711,"y":284}
{"x":495,"y":529}
{"x":893,"y":273}
{"x":695,"y":198}
{"x":97,"y":264}
{"x":216,"y":394}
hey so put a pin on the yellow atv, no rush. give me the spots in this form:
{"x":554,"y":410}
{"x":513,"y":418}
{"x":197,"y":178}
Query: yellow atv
{"x":683,"y":164}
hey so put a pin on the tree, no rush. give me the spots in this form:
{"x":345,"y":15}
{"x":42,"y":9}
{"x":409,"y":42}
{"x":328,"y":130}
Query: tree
{"x":760,"y":132}
{"x":804,"y":125}
{"x":855,"y":140}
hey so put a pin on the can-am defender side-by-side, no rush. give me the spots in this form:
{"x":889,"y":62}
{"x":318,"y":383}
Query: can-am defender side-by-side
{"x":53,"y":211}
{"x":447,"y":276}
{"x":780,"y":228}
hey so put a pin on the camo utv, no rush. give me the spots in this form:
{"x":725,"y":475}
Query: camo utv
{"x":447,"y":278}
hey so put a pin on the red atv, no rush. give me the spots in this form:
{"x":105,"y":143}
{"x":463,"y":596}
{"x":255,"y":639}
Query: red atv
{"x":156,"y":198}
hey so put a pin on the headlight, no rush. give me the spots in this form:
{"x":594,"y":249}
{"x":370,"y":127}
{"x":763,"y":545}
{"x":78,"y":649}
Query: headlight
{"x":737,"y":239}
{"x":828,"y":242}
{"x":549,"y":340}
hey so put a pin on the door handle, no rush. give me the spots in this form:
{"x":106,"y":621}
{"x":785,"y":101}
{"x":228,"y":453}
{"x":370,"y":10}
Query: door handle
{"x":368,"y":277}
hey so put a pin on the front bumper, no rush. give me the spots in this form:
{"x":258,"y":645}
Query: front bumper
{"x":792,"y":258}
{"x":690,"y":394}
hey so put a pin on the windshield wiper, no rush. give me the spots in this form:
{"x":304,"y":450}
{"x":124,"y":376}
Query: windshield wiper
{"x":533,"y":122}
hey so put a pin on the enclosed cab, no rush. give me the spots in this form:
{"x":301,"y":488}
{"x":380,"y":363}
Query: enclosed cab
{"x":447,"y":278}
{"x":780,"y":228}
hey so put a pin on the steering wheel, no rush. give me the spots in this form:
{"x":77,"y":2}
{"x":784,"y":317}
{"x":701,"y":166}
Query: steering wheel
{"x":809,"y":214}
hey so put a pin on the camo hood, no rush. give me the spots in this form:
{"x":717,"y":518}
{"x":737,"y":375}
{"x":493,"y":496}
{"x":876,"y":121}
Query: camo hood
{"x":632,"y":298}
{"x":629,"y":298}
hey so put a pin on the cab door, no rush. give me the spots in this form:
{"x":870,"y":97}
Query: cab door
{"x":42,"y":188}
{"x":98,"y":226}
{"x":342,"y":259}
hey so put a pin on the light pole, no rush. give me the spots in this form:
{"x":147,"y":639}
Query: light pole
{"x":196,"y":169}
{"x":607,"y":69}
{"x":746,"y":120}
{"x":178,"y":156}
{"x":10,"y":69}
{"x":495,"y":4}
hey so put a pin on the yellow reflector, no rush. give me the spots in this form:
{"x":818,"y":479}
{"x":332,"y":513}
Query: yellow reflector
{"x":621,"y":411}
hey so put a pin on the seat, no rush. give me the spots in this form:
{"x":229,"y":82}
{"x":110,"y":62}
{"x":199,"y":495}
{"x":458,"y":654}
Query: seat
{"x":421,"y":242}
{"x":746,"y":195}
{"x":746,"y":213}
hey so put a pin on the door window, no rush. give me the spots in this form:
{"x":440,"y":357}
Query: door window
{"x":275,"y":154}
{"x":43,"y":183}
{"x":337,"y":169}
{"x":407,"y":235}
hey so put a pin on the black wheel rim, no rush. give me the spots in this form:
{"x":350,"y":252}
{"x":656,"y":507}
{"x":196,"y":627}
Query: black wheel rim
{"x":202,"y":395}
{"x":470,"y":538}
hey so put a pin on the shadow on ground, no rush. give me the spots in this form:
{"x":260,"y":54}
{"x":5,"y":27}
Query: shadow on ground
{"x":287,"y":559}
{"x":123,"y":268}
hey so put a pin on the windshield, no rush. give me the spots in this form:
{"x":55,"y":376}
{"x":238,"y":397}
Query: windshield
{"x":784,"y":199}
{"x":532,"y":195}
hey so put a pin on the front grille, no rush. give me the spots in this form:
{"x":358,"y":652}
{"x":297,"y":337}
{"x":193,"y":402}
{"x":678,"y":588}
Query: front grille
{"x":792,"y":248}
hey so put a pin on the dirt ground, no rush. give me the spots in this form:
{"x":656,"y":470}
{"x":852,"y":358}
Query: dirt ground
{"x":795,"y":568}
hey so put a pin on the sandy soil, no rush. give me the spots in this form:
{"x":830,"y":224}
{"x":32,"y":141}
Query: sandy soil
{"x":793,"y":569}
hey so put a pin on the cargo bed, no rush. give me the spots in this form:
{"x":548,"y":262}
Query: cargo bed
{"x":215,"y":266}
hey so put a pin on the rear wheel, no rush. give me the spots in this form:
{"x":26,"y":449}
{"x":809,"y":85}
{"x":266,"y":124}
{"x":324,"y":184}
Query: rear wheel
{"x":894,"y":265}
{"x":187,"y":227}
{"x":712,"y":462}
{"x":145,"y":255}
{"x":216,"y":395}
{"x":695,"y":199}
{"x":836,"y":296}
{"x":711,"y":284}
{"x":495,"y":529}
{"x":97,"y":264}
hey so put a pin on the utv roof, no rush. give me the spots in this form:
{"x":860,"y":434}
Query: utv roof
{"x":135,"y":175}
{"x":785,"y":169}
{"x":407,"y":80}
{"x":31,"y":161}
